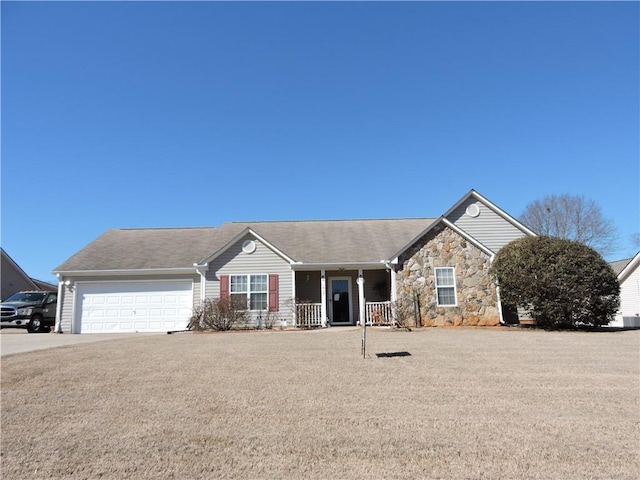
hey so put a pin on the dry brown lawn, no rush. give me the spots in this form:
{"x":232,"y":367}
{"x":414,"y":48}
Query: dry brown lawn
{"x":466,"y":403}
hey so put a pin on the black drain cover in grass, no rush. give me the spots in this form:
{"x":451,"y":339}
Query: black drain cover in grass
{"x":393,"y":354}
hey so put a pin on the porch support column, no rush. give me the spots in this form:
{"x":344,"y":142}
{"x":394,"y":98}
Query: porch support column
{"x":294,"y":313}
{"x":394,"y":292}
{"x":58,"y":326}
{"x":394,"y":285}
{"x":361,"y":309}
{"x":323,"y":298}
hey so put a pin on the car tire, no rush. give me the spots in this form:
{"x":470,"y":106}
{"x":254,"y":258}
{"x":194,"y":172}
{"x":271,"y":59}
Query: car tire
{"x":35,"y":324}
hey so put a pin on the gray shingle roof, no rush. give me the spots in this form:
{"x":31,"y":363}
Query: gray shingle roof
{"x":327,"y":241}
{"x":143,"y":248}
{"x":335,"y":241}
{"x":619,"y":265}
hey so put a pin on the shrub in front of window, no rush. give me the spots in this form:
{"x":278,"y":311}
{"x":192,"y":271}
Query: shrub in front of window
{"x":222,"y":313}
{"x":563,"y":283}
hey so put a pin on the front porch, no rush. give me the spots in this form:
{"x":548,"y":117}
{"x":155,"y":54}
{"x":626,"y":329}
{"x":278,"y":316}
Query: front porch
{"x":309,"y":315}
{"x":343,"y":297}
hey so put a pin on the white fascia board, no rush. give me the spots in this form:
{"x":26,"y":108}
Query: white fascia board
{"x":336,"y":266}
{"x":227,"y":245}
{"x":125,"y":272}
{"x":236,"y":238}
{"x":468,"y":237}
{"x":495,"y":208}
{"x":430,"y":227}
{"x":631,"y":266}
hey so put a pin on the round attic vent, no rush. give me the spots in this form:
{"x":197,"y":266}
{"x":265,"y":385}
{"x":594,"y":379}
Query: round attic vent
{"x":248,"y":246}
{"x":473,"y":210}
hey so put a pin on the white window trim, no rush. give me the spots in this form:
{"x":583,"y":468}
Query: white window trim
{"x":455,"y":290}
{"x":249,"y":292}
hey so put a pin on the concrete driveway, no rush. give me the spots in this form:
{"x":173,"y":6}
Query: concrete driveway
{"x":16,"y":340}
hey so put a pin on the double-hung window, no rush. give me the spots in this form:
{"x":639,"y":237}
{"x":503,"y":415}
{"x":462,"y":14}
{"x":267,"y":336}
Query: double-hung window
{"x":445,"y":286}
{"x":253,"y":289}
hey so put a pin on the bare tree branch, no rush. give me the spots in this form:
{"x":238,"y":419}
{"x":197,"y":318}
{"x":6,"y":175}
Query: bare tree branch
{"x":572,"y":218}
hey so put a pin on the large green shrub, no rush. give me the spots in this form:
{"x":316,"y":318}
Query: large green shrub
{"x":563,"y":283}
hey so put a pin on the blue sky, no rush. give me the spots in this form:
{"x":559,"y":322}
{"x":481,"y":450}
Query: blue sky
{"x":172,"y":114}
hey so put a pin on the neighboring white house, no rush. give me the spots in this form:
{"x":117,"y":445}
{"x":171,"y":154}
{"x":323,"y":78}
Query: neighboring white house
{"x":629,"y":278}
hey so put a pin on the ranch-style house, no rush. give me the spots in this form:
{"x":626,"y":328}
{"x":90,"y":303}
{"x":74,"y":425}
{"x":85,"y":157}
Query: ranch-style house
{"x":294,"y":273}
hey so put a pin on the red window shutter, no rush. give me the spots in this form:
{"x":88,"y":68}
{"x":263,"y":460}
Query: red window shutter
{"x":224,"y":286}
{"x":273,"y":293}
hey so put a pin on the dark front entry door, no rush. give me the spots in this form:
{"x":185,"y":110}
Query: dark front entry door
{"x":340,"y":301}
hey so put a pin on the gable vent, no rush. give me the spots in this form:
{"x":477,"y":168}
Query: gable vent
{"x":473,"y":210}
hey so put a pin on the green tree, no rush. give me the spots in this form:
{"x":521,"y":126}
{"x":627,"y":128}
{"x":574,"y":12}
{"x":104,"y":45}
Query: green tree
{"x":563,"y":282}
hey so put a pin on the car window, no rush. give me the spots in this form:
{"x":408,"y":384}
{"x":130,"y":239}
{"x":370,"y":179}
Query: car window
{"x":26,"y":297}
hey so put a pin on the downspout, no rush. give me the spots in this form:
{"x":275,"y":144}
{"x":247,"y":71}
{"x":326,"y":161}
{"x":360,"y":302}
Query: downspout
{"x":500,"y":306}
{"x":202,"y":269}
{"x":394,"y":285}
{"x":323,"y":299}
{"x":500,"y":314}
{"x":294,"y":310}
{"x":394,"y":290}
{"x":58,"y":326}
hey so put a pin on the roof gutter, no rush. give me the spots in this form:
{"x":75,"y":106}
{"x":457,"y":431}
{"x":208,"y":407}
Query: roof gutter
{"x":129,"y":271}
{"x":298,"y":266}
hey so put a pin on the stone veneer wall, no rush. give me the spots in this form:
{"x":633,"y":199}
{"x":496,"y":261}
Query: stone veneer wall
{"x":476,"y":293}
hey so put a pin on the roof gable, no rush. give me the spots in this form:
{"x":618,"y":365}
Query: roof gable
{"x":485,"y":222}
{"x":472,"y":194}
{"x":334,"y":241}
{"x":237,"y":237}
{"x":7,"y":260}
{"x":439,"y":221}
{"x":14,"y":279}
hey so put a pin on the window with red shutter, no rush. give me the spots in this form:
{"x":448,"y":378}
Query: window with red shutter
{"x":224,"y":286}
{"x":273,"y":293}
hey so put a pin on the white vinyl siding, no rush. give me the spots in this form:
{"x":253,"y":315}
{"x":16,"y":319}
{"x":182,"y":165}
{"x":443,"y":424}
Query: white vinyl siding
{"x":630,"y":294}
{"x":445,"y":286}
{"x":489,"y":228}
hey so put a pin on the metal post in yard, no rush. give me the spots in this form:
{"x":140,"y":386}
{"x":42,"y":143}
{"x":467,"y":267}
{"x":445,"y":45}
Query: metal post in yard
{"x":363,"y":318}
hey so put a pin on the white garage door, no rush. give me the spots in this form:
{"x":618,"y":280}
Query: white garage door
{"x":133,"y":306}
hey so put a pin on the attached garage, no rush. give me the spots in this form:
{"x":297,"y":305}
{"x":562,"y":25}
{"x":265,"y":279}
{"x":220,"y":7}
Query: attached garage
{"x":112,"y":307}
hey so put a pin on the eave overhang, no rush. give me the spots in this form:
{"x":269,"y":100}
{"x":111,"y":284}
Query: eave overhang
{"x":494,"y":207}
{"x":449,"y":224}
{"x":300,"y":266}
{"x":126,"y":272}
{"x":630,"y":267}
{"x":247,"y":231}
